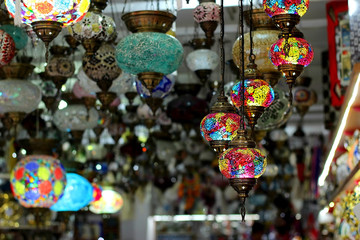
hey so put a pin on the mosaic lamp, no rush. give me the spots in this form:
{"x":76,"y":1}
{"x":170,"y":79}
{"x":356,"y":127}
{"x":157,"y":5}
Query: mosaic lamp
{"x":286,"y":13}
{"x":78,"y":193}
{"x":202,"y":60}
{"x":97,"y":192}
{"x":258,"y":96}
{"x":48,"y":17}
{"x":291,"y":55}
{"x":38,"y":181}
{"x":149,"y":52}
{"x":264,"y":34}
{"x":242,"y":164}
{"x":18,"y":34}
{"x":109,"y":203}
{"x":7,"y":48}
{"x":207,"y":14}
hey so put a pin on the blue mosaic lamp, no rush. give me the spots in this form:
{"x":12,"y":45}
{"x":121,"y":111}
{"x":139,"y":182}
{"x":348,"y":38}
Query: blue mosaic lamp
{"x":78,"y":193}
{"x":18,"y":34}
{"x":160,"y":91}
{"x":149,"y":52}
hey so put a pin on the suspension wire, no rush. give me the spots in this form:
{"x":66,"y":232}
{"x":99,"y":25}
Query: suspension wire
{"x":123,"y":10}
{"x":222,"y":50}
{"x":242,"y":65}
{"x":252,"y":55}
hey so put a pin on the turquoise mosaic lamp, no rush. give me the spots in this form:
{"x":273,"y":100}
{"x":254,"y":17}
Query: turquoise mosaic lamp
{"x":18,"y":34}
{"x":149,"y":52}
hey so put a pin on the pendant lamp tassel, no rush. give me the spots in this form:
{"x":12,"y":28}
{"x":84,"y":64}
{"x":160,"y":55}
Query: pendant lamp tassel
{"x":17,"y":20}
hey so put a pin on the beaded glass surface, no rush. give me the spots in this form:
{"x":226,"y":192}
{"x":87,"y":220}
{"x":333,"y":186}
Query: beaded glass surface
{"x":19,"y":96}
{"x":262,"y":41}
{"x":93,"y":25}
{"x":160,"y":91}
{"x":299,"y":52}
{"x":102,"y":65}
{"x":75,"y":117}
{"x":149,"y":52}
{"x":38,"y":181}
{"x":219,"y":126}
{"x":257,"y":93}
{"x":277,"y":7}
{"x":242,"y":163}
{"x":7,"y":48}
{"x":207,"y":11}
{"x":78,"y":193}
{"x":110,"y":202}
{"x":60,"y":67}
{"x":18,"y":34}
{"x":63,"y":11}
{"x":202,"y":59}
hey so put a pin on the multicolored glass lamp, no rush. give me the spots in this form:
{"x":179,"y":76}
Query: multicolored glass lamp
{"x":110,"y":202}
{"x":291,"y":55}
{"x":207,"y":14}
{"x":47,"y":18}
{"x":18,"y":34}
{"x":242,"y":164}
{"x":286,"y":13}
{"x":78,"y":193}
{"x":38,"y":181}
{"x":149,"y":52}
{"x":258,"y":95}
{"x":7,"y":48}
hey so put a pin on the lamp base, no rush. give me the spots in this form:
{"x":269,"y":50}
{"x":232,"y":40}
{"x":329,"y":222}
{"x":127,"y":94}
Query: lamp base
{"x":203,"y":75}
{"x":131,"y":96}
{"x":77,"y":135}
{"x":16,"y":71}
{"x":253,"y":113}
{"x":209,"y":28}
{"x":91,"y":46}
{"x":47,"y":30}
{"x":219,"y":146}
{"x":242,"y":186}
{"x":154,"y":103}
{"x":222,"y":105}
{"x":49,"y":102}
{"x":291,"y":72}
{"x":11,"y":119}
{"x":286,"y":22}
{"x":73,"y":43}
{"x":58,"y":81}
{"x":272,"y":77}
{"x":150,"y":79}
{"x":148,"y":21}
{"x":89,"y":102}
{"x":106,"y":98}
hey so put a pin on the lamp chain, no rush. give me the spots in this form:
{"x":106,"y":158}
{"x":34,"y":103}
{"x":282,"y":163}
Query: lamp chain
{"x":222,"y":51}
{"x":242,"y":66}
{"x":252,"y":55}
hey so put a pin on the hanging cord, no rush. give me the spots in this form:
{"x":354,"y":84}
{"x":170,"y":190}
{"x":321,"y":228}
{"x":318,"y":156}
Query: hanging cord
{"x":222,"y":51}
{"x":242,"y":66}
{"x":252,"y":55}
{"x":123,"y":10}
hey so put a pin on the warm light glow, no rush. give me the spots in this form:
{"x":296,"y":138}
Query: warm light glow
{"x":332,"y":204}
{"x":338,"y":136}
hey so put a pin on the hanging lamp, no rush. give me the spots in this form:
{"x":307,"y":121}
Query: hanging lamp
{"x":242,"y":163}
{"x":149,"y":52}
{"x":264,"y":34}
{"x":291,"y":54}
{"x":207,"y":15}
{"x":202,"y":60}
{"x":219,"y":127}
{"x":47,"y":18}
{"x":286,"y":13}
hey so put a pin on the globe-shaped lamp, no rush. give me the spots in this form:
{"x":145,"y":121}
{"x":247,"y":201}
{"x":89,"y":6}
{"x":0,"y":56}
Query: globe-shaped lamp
{"x":75,"y":117}
{"x":18,"y":96}
{"x":202,"y":60}
{"x":109,"y":203}
{"x":258,"y":96}
{"x":291,"y":55}
{"x":38,"y":181}
{"x":208,"y":15}
{"x":286,"y":13}
{"x":48,"y":17}
{"x":18,"y":34}
{"x":150,"y":55}
{"x":78,"y":193}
